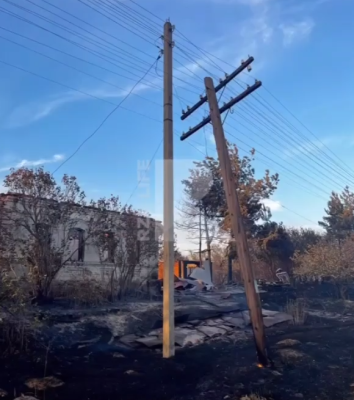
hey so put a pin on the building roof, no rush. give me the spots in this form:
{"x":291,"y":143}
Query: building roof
{"x":10,"y":195}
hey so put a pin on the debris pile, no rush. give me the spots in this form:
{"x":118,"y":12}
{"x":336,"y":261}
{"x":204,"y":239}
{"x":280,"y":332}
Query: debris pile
{"x":233,"y":327}
{"x":198,"y":280}
{"x":191,"y":284}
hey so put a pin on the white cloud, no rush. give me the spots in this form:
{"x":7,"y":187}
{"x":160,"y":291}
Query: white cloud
{"x":36,"y":110}
{"x":252,"y":3}
{"x":34,"y":163}
{"x":296,"y":31}
{"x":314,"y":146}
{"x":273,"y":205}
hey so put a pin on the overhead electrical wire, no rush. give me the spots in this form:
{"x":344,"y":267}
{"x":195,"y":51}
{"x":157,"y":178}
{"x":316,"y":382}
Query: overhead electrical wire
{"x":211,"y":56}
{"x":74,"y":68}
{"x":286,"y":134}
{"x":136,"y":21}
{"x":100,"y":38}
{"x":96,"y":53}
{"x":280,"y":165}
{"x":139,"y":5}
{"x":147,"y":168}
{"x":149,"y":40}
{"x":306,"y":172}
{"x":266,"y":163}
{"x":277,"y":130}
{"x":326,"y":166}
{"x":126,"y":15}
{"x":107,"y":117}
{"x":292,"y":150}
{"x":74,"y":89}
{"x":321,"y":150}
{"x":315,"y":146}
{"x":215,"y":65}
{"x":92,"y":51}
{"x":279,"y":147}
{"x":97,"y":28}
{"x":149,"y":84}
{"x":119,"y":49}
{"x":287,"y":208}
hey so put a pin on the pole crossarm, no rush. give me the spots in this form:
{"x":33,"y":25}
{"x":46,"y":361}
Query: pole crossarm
{"x":224,"y":82}
{"x":224,"y":108}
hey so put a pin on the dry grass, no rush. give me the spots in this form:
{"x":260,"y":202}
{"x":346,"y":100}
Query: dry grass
{"x":81,"y":292}
{"x":253,"y":397}
{"x":297,"y":309}
{"x":42,"y":384}
{"x":16,"y":334}
{"x":288,"y":343}
{"x":290,"y":356}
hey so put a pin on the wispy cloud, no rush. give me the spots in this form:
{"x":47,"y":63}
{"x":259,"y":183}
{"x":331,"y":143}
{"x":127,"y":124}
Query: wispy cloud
{"x":211,"y":138}
{"x":36,"y":110}
{"x":273,"y":205}
{"x":314,"y":146}
{"x":34,"y":163}
{"x":296,"y":31}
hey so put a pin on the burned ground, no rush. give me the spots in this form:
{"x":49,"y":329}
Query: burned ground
{"x":317,"y":363}
{"x":311,"y":361}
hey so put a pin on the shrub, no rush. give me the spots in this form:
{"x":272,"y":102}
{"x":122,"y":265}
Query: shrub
{"x":297,"y":309}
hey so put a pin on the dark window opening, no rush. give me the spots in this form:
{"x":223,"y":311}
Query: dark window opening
{"x":109,"y":247}
{"x":138,"y":251}
{"x":43,"y":233}
{"x":77,"y":244}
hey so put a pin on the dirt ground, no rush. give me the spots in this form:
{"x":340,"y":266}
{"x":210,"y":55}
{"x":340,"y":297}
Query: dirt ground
{"x":316,"y":363}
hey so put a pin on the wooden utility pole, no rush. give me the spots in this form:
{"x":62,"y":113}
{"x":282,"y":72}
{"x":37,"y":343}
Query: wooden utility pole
{"x":238,"y":230}
{"x":253,"y":300}
{"x":168,"y":217}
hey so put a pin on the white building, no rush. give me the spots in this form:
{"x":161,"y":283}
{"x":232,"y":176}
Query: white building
{"x":82,"y":255}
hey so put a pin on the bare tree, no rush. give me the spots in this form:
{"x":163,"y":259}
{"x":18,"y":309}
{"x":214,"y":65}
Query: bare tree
{"x":40,"y":216}
{"x":128,"y":240}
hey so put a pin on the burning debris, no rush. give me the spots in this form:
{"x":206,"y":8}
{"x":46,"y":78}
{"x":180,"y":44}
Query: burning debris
{"x":190,"y":276}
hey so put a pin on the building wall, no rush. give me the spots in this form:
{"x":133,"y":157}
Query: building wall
{"x":99,"y":272}
{"x":91,"y":265}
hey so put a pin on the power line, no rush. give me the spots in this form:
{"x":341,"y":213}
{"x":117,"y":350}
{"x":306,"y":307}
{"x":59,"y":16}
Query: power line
{"x":72,"y":67}
{"x":106,"y":118}
{"x":287,"y":208}
{"x":280,"y":146}
{"x":299,"y":215}
{"x":287,"y":169}
{"x":119,"y":49}
{"x":126,"y":15}
{"x":97,"y":28}
{"x":74,"y":89}
{"x":92,"y":96}
{"x":96,"y":53}
{"x":147,"y":168}
{"x":285,"y":133}
{"x":217,"y":66}
{"x":289,"y":138}
{"x":203,"y":68}
{"x":118,"y":23}
{"x":106,"y":33}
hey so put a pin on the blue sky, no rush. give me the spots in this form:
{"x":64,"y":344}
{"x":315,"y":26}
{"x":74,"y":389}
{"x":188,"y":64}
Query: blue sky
{"x":302,"y":56}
